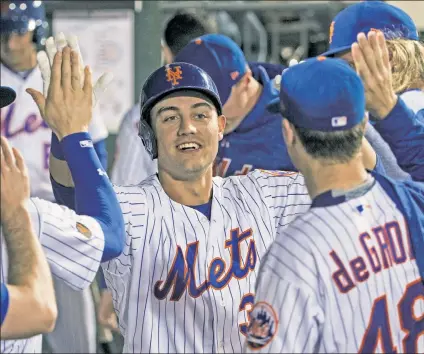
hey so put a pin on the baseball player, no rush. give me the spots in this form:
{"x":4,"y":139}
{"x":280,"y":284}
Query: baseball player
{"x":253,"y":134}
{"x":132,"y":164}
{"x":23,"y":311}
{"x":185,"y":280}
{"x":345,"y":276}
{"x":23,"y":29}
{"x":406,"y":55}
{"x":74,"y":245}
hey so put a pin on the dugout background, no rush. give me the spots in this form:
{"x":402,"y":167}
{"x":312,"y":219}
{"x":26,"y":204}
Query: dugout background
{"x":272,"y":31}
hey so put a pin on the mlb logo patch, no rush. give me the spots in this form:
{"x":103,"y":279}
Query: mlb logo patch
{"x":86,"y":143}
{"x":338,"y":122}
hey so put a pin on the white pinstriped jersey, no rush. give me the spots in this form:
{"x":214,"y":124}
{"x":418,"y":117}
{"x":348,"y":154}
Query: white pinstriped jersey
{"x":72,"y":257}
{"x":132,"y":163}
{"x":22,"y":125}
{"x":185,"y":284}
{"x":341,"y":279}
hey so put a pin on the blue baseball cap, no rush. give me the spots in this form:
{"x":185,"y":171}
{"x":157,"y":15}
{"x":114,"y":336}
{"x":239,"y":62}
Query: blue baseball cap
{"x":7,"y":96}
{"x":367,"y":16}
{"x":220,"y":57}
{"x":322,"y":94}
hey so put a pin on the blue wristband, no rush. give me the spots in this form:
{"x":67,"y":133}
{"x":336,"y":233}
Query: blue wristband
{"x":55,"y":148}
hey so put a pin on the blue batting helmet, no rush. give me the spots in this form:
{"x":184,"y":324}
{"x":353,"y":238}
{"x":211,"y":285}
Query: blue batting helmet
{"x":164,"y":81}
{"x":19,"y":16}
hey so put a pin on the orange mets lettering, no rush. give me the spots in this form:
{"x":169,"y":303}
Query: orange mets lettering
{"x":182,"y":274}
{"x":174,"y":74}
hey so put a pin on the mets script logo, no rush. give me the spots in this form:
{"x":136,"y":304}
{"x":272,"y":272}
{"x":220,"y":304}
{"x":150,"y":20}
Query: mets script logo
{"x":174,"y":74}
{"x":182,"y":275}
{"x":331,"y":34}
{"x":263,"y":326}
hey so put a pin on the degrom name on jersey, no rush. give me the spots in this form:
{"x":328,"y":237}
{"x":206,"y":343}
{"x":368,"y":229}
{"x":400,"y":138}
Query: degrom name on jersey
{"x":186,"y":284}
{"x":341,"y":279}
{"x":73,"y":257}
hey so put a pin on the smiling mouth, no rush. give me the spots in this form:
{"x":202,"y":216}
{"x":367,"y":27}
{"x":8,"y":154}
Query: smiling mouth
{"x":188,"y":147}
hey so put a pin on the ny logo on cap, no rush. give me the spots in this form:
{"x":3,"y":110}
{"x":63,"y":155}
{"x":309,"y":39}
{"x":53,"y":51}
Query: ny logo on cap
{"x":331,"y":32}
{"x":174,"y":74}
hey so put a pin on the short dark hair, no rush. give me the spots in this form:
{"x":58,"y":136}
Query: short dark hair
{"x":332,"y":147}
{"x":182,"y":28}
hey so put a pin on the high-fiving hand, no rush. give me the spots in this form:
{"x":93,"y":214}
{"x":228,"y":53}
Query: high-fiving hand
{"x":68,"y":107}
{"x":371,"y":58}
{"x":14,"y":189}
{"x":45,"y":62}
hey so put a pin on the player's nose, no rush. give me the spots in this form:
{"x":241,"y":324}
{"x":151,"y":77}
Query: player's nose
{"x":186,"y":126}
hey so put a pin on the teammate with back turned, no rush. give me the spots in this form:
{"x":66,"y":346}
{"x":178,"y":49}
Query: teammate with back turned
{"x":345,"y":276}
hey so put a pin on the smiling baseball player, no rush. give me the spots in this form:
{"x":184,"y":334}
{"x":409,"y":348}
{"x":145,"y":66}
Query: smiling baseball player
{"x":346,"y":277}
{"x":185,"y":281}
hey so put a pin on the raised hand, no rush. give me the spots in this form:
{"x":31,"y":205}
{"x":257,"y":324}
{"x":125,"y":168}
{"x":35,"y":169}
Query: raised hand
{"x":45,"y":62}
{"x":371,"y":58}
{"x":68,"y":106}
{"x":14,"y":189}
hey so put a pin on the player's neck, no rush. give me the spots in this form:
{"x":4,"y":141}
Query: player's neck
{"x":254,"y":94}
{"x":322,"y":178}
{"x":192,"y":192}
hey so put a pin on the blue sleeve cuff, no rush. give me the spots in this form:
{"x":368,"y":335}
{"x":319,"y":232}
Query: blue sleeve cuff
{"x":4,"y":301}
{"x":94,"y":194}
{"x":101,"y":151}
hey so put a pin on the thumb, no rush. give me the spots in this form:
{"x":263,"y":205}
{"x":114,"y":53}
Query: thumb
{"x":39,"y":100}
{"x":101,"y":85}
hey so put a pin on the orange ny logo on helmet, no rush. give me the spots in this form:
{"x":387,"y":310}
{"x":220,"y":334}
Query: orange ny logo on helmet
{"x":331,"y":33}
{"x":174,"y":74}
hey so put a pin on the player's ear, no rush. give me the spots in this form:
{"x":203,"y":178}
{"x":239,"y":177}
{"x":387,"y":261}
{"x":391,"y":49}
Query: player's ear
{"x":222,"y":121}
{"x":288,"y":132}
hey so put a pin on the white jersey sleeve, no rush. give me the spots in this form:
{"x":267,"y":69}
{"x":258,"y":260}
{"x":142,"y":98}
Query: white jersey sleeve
{"x":73,"y":244}
{"x":132,"y":163}
{"x":287,"y":315}
{"x":284,"y":193}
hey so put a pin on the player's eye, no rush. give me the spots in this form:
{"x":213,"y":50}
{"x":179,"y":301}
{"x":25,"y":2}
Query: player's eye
{"x":200,"y":115}
{"x":170,"y":118}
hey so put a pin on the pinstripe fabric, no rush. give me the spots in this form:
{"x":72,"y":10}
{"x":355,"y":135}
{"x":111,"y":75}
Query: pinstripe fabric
{"x":298,"y":279}
{"x":73,"y":258}
{"x":185,"y":284}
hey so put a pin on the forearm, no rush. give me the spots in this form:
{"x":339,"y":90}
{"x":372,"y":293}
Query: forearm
{"x":404,"y":133}
{"x":94,"y":194}
{"x":32,"y":304}
{"x":27,"y":264}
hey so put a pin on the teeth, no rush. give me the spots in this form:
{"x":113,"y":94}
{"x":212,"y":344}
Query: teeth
{"x":188,"y":146}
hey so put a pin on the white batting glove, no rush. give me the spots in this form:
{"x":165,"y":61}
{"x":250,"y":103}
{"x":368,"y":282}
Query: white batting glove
{"x":45,"y":61}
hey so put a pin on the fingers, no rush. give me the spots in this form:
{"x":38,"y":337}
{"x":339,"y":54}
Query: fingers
{"x":381,"y":41}
{"x":101,"y":85}
{"x":51,"y":49}
{"x":368,"y":53}
{"x":359,"y":60}
{"x":44,"y":65}
{"x":8,"y":159}
{"x":75,"y":71}
{"x":66,"y":69}
{"x":20,"y":163}
{"x":87,"y":88}
{"x":73,"y":43}
{"x":60,"y":42}
{"x":56,"y":73}
{"x":39,"y":100}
